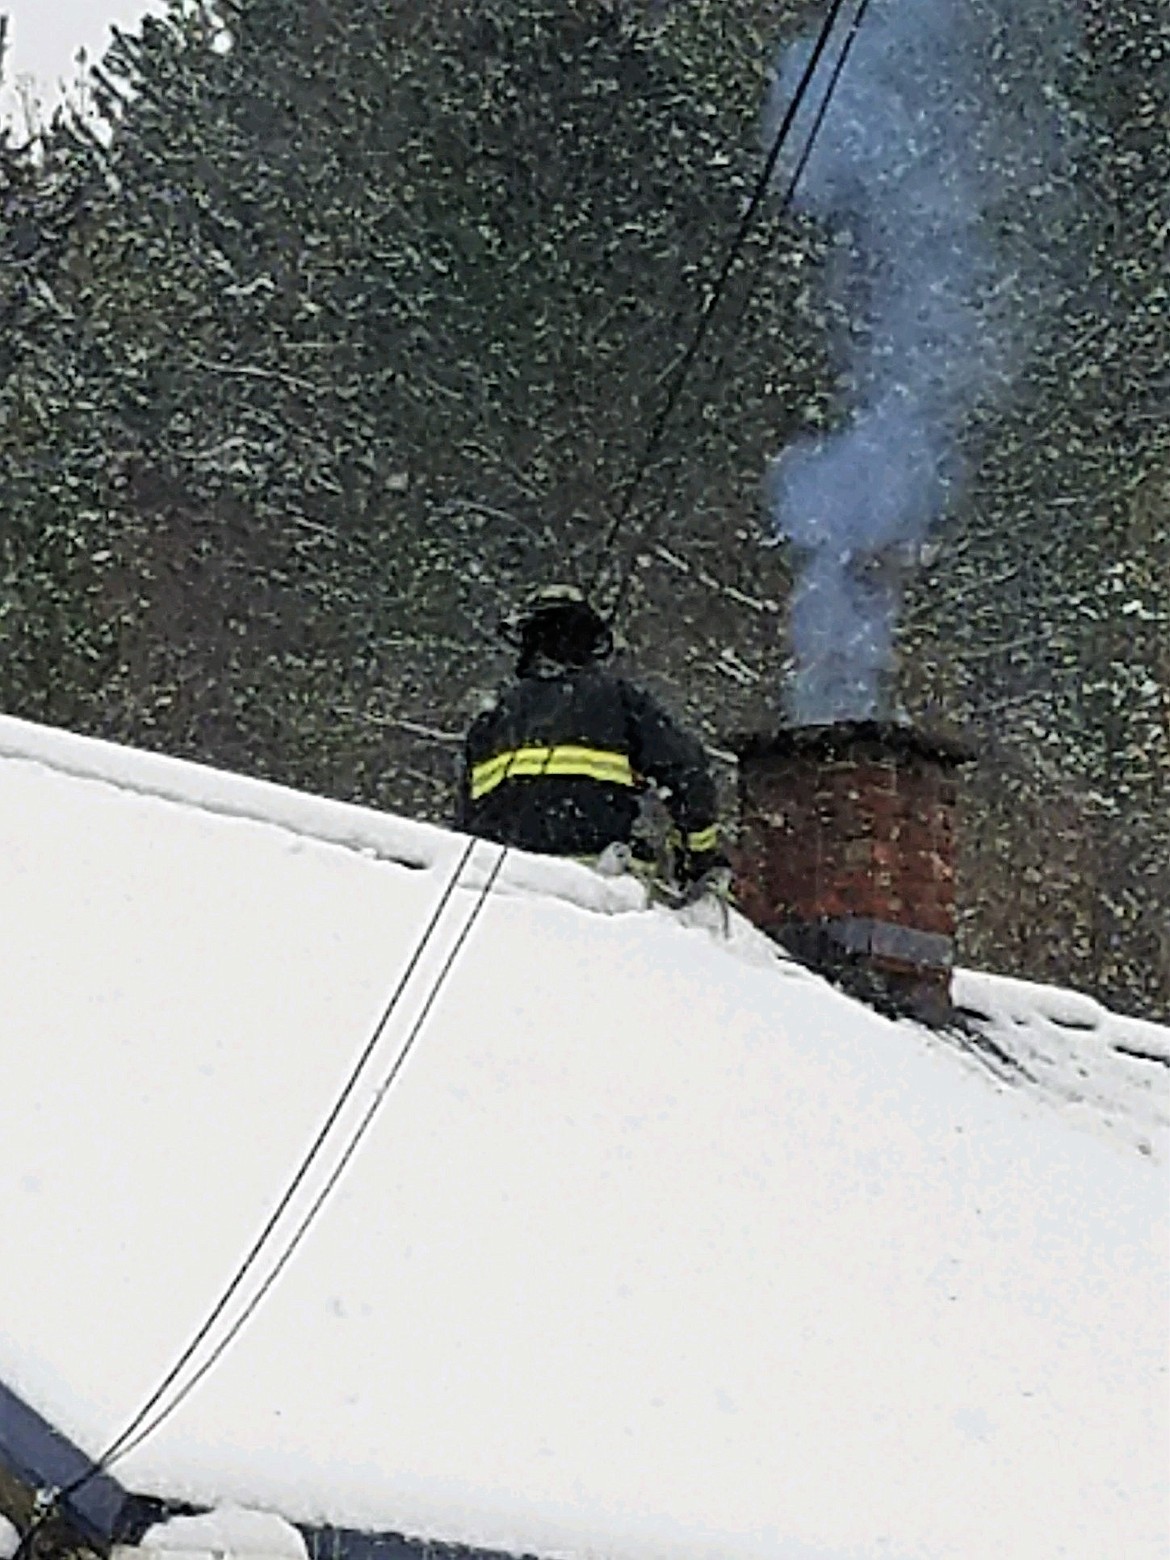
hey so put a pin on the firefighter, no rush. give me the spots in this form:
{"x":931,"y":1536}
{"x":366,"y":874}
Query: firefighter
{"x":561,"y":761}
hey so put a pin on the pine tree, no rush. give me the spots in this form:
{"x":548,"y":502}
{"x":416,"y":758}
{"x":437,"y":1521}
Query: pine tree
{"x":377,"y":308}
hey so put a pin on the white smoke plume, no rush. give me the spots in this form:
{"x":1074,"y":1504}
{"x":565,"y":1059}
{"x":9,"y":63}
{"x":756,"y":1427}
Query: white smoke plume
{"x":915,"y":161}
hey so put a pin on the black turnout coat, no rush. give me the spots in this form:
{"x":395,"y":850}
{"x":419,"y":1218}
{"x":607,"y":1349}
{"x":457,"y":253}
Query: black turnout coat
{"x":559,"y":764}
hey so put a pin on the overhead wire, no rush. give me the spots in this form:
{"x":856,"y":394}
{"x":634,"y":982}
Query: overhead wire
{"x":146,"y":1421}
{"x":790,"y":189}
{"x":142,"y":1425}
{"x":121,"y":1443}
{"x":148,"y":1428}
{"x":671,"y":401}
{"x":715,"y":293}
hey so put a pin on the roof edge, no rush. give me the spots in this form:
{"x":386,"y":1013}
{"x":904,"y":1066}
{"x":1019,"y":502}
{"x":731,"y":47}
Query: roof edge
{"x":404,"y":842}
{"x":103,"y":1512}
{"x":40,"y":1457}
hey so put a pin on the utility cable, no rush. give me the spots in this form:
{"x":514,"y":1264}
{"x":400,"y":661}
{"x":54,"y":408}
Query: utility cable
{"x":790,"y":189}
{"x":714,"y":296}
{"x":120,"y":1444}
{"x":777,"y":218}
{"x":356,"y":1137}
{"x":142,"y":1425}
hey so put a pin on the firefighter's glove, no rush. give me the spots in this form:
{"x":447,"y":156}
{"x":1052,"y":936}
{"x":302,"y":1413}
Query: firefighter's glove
{"x":710,"y":878}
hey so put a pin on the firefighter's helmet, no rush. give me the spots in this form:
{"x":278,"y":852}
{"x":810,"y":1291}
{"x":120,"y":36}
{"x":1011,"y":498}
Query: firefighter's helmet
{"x":557,"y":621}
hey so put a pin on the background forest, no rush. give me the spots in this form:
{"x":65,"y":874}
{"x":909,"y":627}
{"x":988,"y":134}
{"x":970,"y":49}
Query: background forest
{"x":331,"y":325}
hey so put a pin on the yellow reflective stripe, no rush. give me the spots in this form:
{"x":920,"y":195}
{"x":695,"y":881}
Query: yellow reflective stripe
{"x":593,"y":763}
{"x":704,"y":839}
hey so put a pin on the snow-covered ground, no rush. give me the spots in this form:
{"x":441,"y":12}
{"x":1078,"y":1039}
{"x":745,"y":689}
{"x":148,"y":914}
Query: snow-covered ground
{"x":659,"y":1246}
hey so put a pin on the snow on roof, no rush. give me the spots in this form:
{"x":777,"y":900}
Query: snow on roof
{"x":1106,"y":1071}
{"x":225,"y":1531}
{"x":659,"y":1246}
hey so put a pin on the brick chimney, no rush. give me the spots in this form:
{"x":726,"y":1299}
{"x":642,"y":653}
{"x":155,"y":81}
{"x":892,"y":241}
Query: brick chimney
{"x":847,"y":854}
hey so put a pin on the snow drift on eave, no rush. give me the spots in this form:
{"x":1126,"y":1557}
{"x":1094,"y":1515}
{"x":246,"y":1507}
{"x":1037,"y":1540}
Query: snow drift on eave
{"x":660,"y":1246}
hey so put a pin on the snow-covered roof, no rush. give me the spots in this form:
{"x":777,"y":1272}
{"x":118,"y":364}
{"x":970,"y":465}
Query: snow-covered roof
{"x":659,"y":1246}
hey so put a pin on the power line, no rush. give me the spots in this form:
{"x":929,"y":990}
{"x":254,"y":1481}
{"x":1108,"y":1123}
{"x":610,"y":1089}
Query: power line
{"x":777,"y":218}
{"x":128,"y":1436}
{"x":142,"y":1425}
{"x":147,"y":1429}
{"x":674,"y":395}
{"x":790,"y":190}
{"x":714,"y":296}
